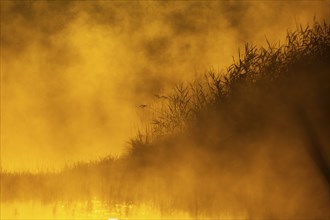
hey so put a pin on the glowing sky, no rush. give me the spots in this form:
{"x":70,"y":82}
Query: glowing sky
{"x":73,"y":73}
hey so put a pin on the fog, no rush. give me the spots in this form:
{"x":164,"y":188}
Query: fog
{"x":74,"y":73}
{"x":160,"y":110}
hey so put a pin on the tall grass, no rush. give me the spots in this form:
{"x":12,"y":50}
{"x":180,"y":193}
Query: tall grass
{"x":256,"y":68}
{"x":201,"y":150}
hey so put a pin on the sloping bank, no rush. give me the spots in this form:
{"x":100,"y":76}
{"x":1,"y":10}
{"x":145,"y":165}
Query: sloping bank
{"x":251,"y":140}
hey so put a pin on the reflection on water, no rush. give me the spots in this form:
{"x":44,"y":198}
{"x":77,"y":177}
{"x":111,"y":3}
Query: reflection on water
{"x":93,"y":209}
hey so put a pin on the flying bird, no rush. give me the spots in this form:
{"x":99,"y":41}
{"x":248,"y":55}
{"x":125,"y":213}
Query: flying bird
{"x":160,"y":97}
{"x":142,"y":106}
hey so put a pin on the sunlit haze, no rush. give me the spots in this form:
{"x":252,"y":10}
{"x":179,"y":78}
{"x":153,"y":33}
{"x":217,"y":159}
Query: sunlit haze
{"x":74,"y":72}
{"x":165,"y":109}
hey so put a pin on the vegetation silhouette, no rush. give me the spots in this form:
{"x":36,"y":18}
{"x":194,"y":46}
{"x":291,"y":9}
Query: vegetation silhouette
{"x":252,"y":140}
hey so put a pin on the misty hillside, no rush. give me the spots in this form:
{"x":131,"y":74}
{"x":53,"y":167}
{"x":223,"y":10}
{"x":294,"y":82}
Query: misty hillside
{"x":252,"y":140}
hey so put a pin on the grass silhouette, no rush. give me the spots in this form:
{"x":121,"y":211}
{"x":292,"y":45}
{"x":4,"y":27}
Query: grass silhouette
{"x":255,"y":135}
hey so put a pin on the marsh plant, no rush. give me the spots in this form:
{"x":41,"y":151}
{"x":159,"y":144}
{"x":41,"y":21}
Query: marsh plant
{"x":251,"y":139}
{"x":256,"y":68}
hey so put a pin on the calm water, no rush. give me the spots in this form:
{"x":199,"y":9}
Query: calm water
{"x":93,"y":209}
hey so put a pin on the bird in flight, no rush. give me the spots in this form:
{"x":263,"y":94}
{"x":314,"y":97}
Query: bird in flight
{"x":142,"y":106}
{"x":160,"y":97}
